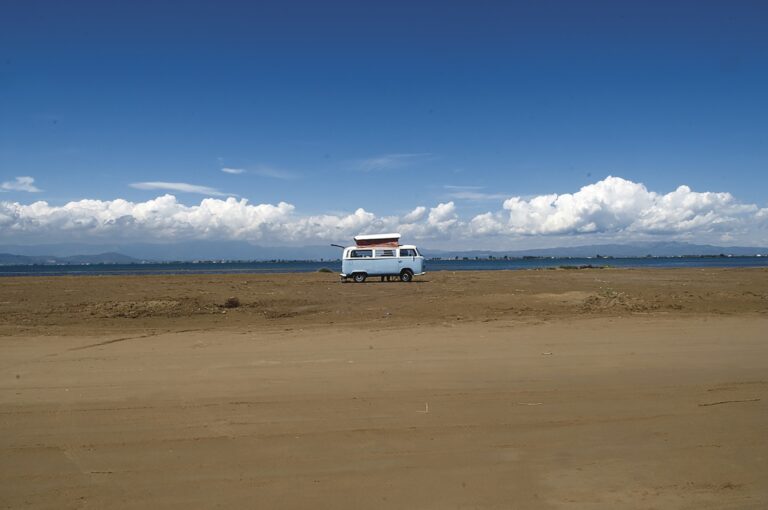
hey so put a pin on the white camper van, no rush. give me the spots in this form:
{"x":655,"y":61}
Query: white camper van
{"x":381,"y":255}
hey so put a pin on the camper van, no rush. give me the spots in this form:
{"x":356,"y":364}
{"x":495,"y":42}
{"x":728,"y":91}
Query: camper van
{"x":381,"y":255}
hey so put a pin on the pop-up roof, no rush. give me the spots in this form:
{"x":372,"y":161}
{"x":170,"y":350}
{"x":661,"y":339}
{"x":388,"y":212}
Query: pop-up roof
{"x":392,"y":240}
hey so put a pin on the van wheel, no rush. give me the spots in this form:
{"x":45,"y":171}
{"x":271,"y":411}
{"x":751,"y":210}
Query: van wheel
{"x":406,"y":275}
{"x":359,"y":277}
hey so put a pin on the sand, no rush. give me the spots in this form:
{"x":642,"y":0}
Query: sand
{"x":597,"y":388}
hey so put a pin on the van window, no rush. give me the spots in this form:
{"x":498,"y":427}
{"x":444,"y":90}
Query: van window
{"x":385,"y":253}
{"x":407,"y":252}
{"x":356,"y":254}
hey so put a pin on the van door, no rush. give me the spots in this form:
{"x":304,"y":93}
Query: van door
{"x":410,"y":259}
{"x":386,"y":261}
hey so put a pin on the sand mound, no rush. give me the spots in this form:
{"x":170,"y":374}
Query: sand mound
{"x":612,"y":300}
{"x":149,"y":308}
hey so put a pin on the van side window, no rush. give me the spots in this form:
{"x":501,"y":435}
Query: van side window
{"x":385,"y":253}
{"x":407,"y":252}
{"x":356,"y":254}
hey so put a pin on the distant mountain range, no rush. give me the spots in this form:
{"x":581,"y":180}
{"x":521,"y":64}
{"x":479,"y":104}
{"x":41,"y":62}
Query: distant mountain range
{"x":75,"y":253}
{"x":181,"y":251}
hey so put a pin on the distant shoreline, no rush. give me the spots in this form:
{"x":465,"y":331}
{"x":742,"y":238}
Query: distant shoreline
{"x":432,"y":259}
{"x":434,"y":264}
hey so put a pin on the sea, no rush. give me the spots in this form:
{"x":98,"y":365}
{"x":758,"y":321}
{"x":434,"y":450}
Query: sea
{"x":209,"y":267}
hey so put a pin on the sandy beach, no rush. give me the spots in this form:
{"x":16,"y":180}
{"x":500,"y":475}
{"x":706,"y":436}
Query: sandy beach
{"x":549,"y":389}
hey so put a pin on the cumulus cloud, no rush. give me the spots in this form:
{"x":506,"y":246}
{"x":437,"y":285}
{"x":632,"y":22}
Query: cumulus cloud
{"x":442,"y":214}
{"x":415,"y":215}
{"x":613,"y":208}
{"x":180,"y":186}
{"x":440,"y":222}
{"x":616,"y":205}
{"x":166,"y":219}
{"x":23,"y":183}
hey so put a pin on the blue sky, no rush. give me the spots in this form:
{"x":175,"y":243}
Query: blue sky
{"x":334,"y":106}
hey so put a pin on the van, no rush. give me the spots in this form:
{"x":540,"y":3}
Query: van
{"x":381,"y":255}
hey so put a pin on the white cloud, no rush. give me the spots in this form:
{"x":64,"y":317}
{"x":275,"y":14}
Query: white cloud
{"x":23,"y":183}
{"x":615,"y":205}
{"x":441,"y":214}
{"x":441,"y":222}
{"x":686,"y":210}
{"x":612,"y":209}
{"x":391,"y":161}
{"x":166,"y":219}
{"x":181,"y":187}
{"x":234,"y":171}
{"x":415,"y":215}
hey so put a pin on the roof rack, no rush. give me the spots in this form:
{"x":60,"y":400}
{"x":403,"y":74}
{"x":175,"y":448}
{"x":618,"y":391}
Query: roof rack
{"x":390,"y":239}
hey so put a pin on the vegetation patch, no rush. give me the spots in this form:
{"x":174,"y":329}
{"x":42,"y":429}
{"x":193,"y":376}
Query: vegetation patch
{"x":232,"y":302}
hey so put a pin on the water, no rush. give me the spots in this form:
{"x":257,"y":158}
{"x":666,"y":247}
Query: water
{"x":335,"y":266}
